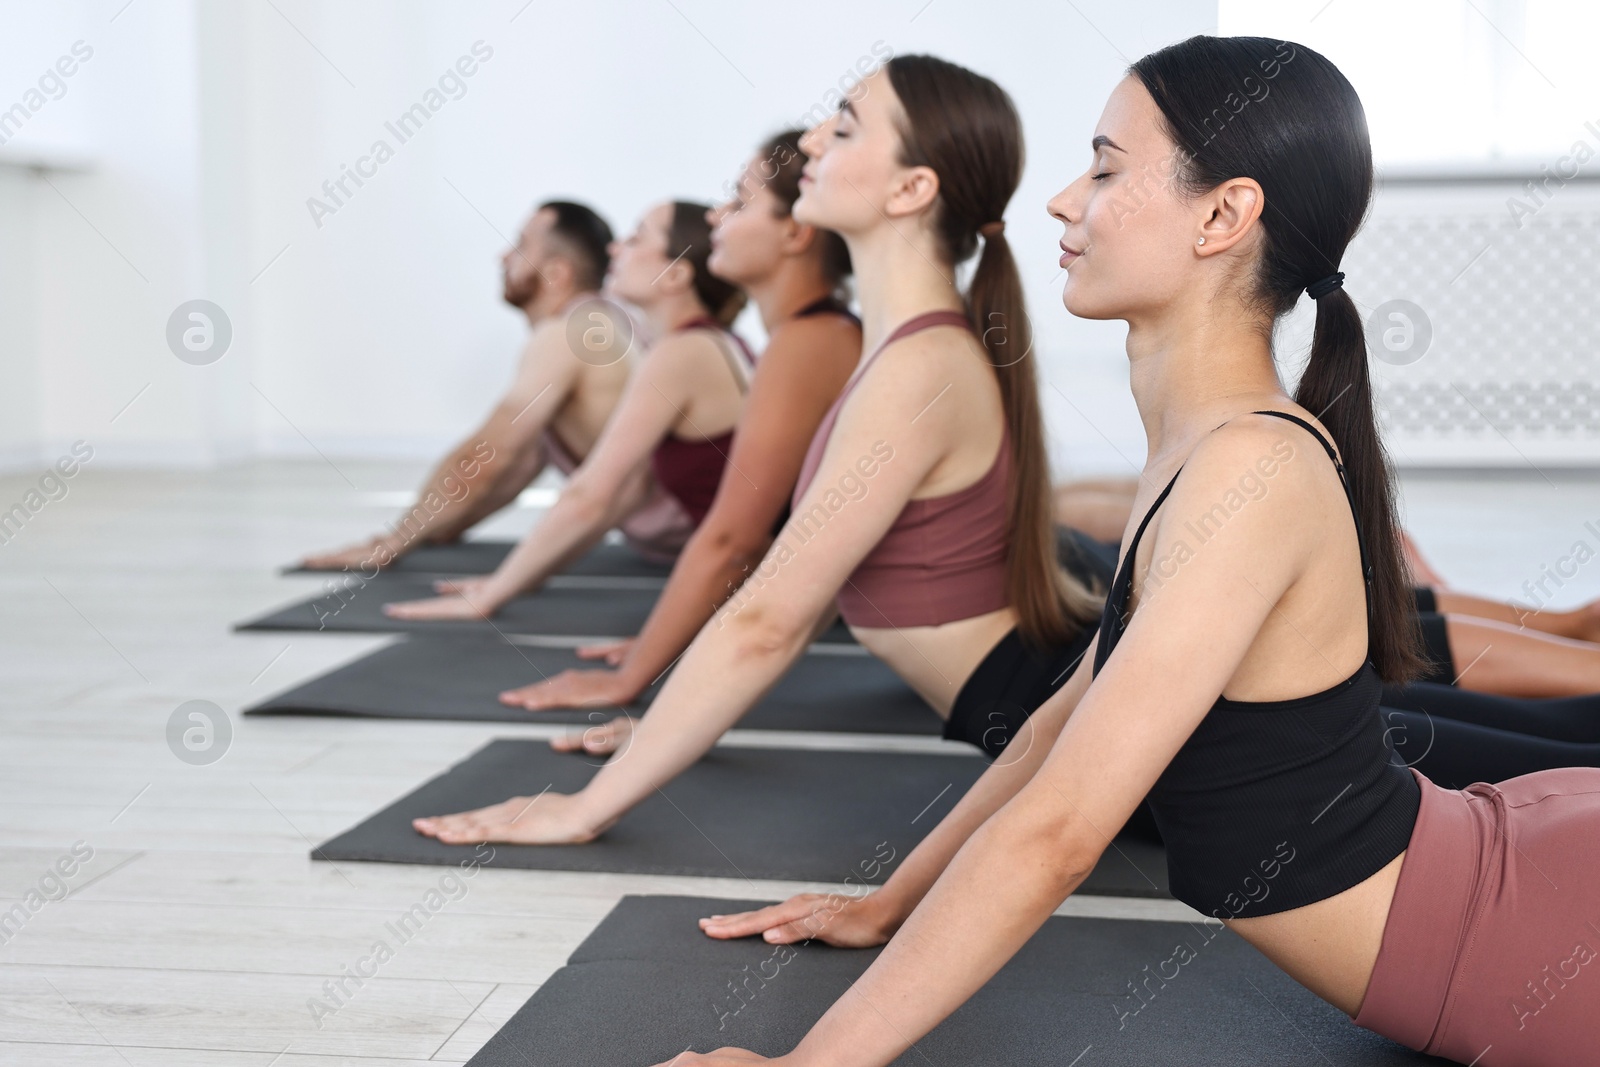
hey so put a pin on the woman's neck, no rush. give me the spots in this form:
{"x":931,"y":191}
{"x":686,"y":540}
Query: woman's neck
{"x":899,"y":273}
{"x":1192,"y":368}
{"x":793,"y":285}
{"x":672,"y":312}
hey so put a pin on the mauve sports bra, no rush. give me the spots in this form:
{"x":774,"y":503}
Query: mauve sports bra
{"x":692,"y":470}
{"x":945,"y":557}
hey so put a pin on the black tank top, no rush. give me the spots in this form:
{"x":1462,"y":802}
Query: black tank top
{"x":1272,"y":805}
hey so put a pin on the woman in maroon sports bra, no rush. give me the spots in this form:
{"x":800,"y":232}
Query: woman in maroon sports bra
{"x":922,"y":508}
{"x":674,"y":423}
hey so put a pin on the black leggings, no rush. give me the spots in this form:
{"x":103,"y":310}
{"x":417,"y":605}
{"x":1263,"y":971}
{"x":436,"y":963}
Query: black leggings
{"x":1435,"y":638}
{"x":1457,"y":737}
{"x":1015,"y":678}
{"x":1008,"y":686}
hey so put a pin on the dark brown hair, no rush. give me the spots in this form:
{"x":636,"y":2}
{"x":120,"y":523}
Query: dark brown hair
{"x":781,"y":163}
{"x":1302,"y":134}
{"x":689,"y":238}
{"x":966,"y":129}
{"x":585,"y":238}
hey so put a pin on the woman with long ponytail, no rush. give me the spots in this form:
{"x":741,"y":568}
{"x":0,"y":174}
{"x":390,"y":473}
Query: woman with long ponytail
{"x":921,"y":512}
{"x":1256,"y":613}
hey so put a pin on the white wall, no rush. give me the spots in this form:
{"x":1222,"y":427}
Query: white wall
{"x":211,"y":122}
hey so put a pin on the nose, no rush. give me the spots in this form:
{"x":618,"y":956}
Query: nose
{"x":811,"y":140}
{"x":1067,"y":205}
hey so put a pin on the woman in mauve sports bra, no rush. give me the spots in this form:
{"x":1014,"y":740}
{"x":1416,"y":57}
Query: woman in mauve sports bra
{"x":1237,"y":676}
{"x":794,"y":274}
{"x":923,"y":506}
{"x":672,"y":427}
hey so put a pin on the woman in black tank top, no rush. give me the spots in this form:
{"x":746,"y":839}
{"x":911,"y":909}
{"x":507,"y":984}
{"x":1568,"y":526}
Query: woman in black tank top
{"x":1257,"y":609}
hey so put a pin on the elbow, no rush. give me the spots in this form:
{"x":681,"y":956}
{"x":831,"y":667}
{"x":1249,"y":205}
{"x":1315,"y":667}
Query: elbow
{"x":584,"y":503}
{"x":762,"y":630}
{"x":1061,"y":846}
{"x":738,"y":544}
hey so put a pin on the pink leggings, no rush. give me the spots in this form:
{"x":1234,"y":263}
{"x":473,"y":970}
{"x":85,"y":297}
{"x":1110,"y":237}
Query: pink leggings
{"x":1491,"y":952}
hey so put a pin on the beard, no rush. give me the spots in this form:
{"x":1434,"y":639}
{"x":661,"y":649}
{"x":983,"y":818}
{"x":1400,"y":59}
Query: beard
{"x":519,"y":293}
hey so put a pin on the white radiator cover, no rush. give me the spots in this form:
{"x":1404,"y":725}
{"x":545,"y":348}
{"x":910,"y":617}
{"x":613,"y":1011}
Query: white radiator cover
{"x":1511,"y":376}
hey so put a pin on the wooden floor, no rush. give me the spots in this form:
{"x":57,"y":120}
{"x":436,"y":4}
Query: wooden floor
{"x":199,"y":933}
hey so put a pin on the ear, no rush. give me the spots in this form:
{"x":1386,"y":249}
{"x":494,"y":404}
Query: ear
{"x":559,"y":271}
{"x":915,"y":190}
{"x":1229,"y":214}
{"x":798,"y":237}
{"x":677,"y":278}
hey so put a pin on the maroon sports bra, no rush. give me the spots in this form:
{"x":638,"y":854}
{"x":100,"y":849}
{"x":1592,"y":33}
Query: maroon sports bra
{"x":691,"y":470}
{"x":945,"y":557}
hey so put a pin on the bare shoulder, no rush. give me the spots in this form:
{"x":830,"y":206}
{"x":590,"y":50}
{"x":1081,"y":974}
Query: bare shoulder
{"x":820,"y":350}
{"x":915,"y":371}
{"x":1263,"y":461}
{"x":829,"y":335}
{"x":546,"y":348}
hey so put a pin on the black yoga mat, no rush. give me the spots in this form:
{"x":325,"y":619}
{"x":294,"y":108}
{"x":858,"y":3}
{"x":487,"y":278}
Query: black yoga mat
{"x":647,"y":985}
{"x":426,"y":677}
{"x":737,"y":813}
{"x":353,"y":604}
{"x":606,"y":560}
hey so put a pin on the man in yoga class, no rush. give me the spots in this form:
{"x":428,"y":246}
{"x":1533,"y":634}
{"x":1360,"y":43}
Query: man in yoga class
{"x":921,"y":512}
{"x":671,"y":429}
{"x":1236,"y":682}
{"x":569,"y":379}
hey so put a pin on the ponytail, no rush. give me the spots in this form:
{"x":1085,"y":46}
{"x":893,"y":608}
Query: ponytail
{"x":1337,"y":388}
{"x":966,"y":128}
{"x":689,"y":239}
{"x":1050,"y":605}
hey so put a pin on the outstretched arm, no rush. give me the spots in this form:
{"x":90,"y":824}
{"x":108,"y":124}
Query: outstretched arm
{"x":485,"y":471}
{"x":878,"y":455}
{"x":801,"y":373}
{"x":871,"y":919}
{"x":1176,"y":657}
{"x":610,"y":483}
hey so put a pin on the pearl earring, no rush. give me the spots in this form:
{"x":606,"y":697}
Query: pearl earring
{"x":1201,"y":241}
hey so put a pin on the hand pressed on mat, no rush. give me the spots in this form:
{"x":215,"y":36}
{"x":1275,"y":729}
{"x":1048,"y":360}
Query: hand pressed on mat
{"x":546,"y":819}
{"x":442,"y":608}
{"x":380,"y":550}
{"x":466,"y":587}
{"x":832,"y":918}
{"x":575,"y":689}
{"x":723,"y":1057}
{"x":599,"y":740}
{"x":613,"y":652}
